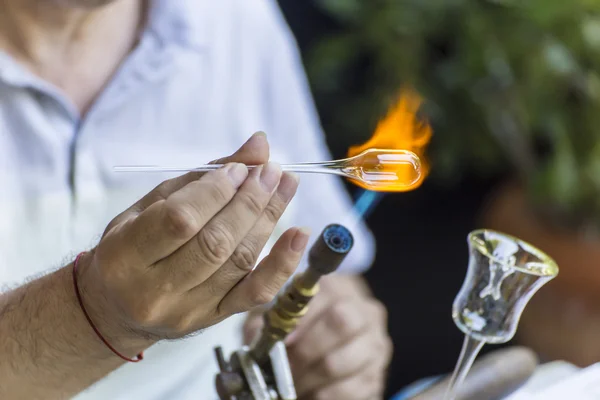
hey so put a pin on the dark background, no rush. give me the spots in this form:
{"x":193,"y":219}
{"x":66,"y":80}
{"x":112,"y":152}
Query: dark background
{"x":421,"y":246}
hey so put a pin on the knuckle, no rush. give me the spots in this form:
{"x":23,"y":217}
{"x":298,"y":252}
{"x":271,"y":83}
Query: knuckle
{"x":162,"y":190}
{"x":179,"y":221}
{"x":244,"y":257}
{"x":302,"y":353}
{"x":329,"y":365}
{"x":260,"y":295}
{"x":378,"y":310}
{"x":183,"y":325}
{"x":286,"y":270}
{"x":340,"y":318}
{"x":215,"y":243}
{"x":251,"y":202}
{"x":219,"y":191}
{"x":166,"y":286}
{"x":273,"y":212}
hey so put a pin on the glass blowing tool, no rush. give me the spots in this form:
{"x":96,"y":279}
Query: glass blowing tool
{"x":503,"y":275}
{"x":262,"y":371}
{"x":373,"y":169}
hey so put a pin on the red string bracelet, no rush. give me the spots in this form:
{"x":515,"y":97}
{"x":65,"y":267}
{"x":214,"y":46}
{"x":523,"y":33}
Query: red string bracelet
{"x":137,"y":358}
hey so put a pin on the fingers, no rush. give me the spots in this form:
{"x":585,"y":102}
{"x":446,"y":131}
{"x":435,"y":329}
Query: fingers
{"x":262,"y":284}
{"x":334,"y":288}
{"x":254,"y":152}
{"x":337,"y":325}
{"x":168,"y":224}
{"x":347,"y":346}
{"x":245,"y":256}
{"x":492,"y":376}
{"x":341,"y":363}
{"x":367,"y":386}
{"x":220,"y":237}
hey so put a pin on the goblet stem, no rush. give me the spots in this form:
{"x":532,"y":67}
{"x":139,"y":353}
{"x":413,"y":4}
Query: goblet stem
{"x":470,"y":349}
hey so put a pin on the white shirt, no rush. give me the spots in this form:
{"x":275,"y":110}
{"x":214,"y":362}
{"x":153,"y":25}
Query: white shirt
{"x":205,"y":76}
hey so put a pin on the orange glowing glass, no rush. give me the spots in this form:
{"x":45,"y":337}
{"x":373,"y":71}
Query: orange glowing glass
{"x":400,"y":130}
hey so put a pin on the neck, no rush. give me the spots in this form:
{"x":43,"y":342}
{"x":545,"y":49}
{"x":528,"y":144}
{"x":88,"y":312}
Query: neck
{"x":75,"y":49}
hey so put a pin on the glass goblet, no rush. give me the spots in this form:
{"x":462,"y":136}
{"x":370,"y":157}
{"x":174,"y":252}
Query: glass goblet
{"x":503,"y":274}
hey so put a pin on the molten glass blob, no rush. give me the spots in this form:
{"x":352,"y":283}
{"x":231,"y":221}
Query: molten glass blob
{"x":400,"y":129}
{"x":385,"y":170}
{"x":373,"y":169}
{"x":503,"y":274}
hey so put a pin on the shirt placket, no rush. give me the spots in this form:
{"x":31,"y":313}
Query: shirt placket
{"x":48,"y":214}
{"x":149,"y":62}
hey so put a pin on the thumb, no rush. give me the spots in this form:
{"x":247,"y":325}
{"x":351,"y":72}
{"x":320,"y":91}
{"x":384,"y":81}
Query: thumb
{"x":254,"y":152}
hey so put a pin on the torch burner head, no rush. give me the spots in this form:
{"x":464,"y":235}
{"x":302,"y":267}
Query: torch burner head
{"x":338,"y":238}
{"x":330,"y":249}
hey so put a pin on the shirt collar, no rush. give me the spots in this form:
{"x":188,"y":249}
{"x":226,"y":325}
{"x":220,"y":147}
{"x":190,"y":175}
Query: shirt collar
{"x":182,"y":22}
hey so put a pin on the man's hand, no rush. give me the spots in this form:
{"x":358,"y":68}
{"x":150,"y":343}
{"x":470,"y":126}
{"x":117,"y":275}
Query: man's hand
{"x":493,"y":376}
{"x":181,"y":258}
{"x":341,"y":348}
{"x":177,"y":261}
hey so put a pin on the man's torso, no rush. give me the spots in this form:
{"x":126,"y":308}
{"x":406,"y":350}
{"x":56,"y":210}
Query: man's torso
{"x":205,"y":76}
{"x":173,"y":103}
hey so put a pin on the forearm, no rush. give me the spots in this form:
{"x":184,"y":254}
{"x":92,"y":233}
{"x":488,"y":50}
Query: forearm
{"x":47,"y":348}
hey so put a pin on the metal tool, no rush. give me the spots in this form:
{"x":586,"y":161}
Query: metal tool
{"x":262,"y":370}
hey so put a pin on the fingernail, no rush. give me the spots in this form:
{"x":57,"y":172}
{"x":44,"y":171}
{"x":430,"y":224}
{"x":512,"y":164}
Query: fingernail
{"x":256,"y":135}
{"x":237,"y":173}
{"x":300,"y":240}
{"x":270,"y":176}
{"x":288,"y":186}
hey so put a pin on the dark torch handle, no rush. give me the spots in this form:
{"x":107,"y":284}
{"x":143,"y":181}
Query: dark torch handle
{"x":325,"y":256}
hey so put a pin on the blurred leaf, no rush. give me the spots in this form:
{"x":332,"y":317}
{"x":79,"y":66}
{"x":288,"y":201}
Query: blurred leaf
{"x":345,"y":10}
{"x":511,"y":86}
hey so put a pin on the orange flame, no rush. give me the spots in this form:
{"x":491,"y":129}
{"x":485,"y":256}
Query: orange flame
{"x":401,"y":130}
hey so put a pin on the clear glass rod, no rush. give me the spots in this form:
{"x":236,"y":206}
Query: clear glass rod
{"x":373,"y":169}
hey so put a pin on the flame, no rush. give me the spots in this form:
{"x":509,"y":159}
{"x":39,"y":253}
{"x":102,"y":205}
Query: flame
{"x":401,"y":130}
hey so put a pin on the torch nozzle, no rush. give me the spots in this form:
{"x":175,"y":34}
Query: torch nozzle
{"x":324,"y":257}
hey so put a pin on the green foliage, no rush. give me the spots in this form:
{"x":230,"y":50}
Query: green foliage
{"x":509,"y":84}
